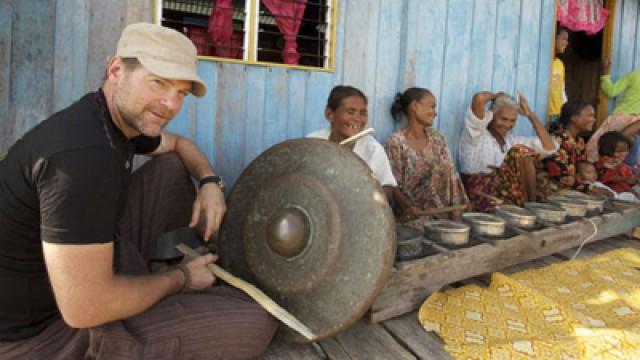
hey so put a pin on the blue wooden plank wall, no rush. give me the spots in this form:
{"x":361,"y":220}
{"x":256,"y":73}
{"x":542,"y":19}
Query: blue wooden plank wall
{"x":51,"y":52}
{"x":453,"y":47}
{"x":626,"y":43}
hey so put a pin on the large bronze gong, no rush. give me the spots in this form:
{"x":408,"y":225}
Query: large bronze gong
{"x":308,"y":224}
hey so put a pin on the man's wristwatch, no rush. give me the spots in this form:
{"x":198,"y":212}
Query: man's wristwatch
{"x":211,"y":179}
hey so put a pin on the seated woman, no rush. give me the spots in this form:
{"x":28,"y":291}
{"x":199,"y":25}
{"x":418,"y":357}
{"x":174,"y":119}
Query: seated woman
{"x":496,"y":165}
{"x":576,"y":118}
{"x":420,"y":160}
{"x":347,"y":113}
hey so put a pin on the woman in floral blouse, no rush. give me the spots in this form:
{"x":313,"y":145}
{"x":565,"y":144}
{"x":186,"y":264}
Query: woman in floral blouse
{"x":576,"y":118}
{"x":420,"y":160}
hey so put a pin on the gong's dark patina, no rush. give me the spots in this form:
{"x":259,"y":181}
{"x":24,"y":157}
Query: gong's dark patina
{"x":309,"y":225}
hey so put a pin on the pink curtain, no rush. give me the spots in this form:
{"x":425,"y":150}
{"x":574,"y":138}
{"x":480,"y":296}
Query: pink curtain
{"x":221,"y":30}
{"x":288,"y":14}
{"x":582,"y":15}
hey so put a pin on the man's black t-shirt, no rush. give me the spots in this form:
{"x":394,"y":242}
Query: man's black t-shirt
{"x":64,"y":182}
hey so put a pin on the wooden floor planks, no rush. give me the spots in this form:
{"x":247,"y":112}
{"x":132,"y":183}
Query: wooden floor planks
{"x":407,"y":331}
{"x":403,"y":337}
{"x":285,"y":351}
{"x":371,"y":342}
{"x":333,"y":349}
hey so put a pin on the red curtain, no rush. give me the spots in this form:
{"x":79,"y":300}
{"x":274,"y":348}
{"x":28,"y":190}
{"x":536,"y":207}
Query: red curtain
{"x":288,"y":15}
{"x":221,"y":30}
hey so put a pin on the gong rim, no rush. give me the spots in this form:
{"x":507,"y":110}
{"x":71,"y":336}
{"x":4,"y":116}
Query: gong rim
{"x":329,"y":269}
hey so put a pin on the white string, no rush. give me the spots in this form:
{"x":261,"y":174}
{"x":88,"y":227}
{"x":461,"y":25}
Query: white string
{"x":587,"y":239}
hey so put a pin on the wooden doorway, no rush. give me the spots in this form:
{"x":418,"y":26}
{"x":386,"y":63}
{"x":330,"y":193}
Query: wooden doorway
{"x":582,"y":62}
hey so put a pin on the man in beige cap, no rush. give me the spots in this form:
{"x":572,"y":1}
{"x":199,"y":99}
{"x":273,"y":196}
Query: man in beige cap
{"x":77,"y":228}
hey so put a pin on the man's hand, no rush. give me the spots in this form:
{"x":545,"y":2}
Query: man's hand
{"x":200,"y":277}
{"x":208,"y":210}
{"x":209,"y":207}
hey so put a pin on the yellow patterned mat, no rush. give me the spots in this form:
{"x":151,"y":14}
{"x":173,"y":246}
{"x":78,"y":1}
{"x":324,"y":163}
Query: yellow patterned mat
{"x":581,"y":309}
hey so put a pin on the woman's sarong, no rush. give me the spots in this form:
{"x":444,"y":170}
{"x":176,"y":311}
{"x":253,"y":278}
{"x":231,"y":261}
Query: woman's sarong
{"x":503,"y":182}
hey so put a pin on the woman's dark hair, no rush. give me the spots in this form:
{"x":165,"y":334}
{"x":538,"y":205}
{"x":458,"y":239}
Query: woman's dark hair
{"x":341,"y":92}
{"x":569,"y":110}
{"x":402,"y":101}
{"x":560,"y":29}
{"x":608,"y":142}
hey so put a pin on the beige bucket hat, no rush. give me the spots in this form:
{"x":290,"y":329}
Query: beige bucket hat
{"x":163,"y":52}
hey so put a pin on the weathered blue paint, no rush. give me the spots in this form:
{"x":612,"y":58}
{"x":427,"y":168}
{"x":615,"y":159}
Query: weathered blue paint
{"x":316,"y":92}
{"x":546,"y":30}
{"x":70,"y":70}
{"x":106,"y":20}
{"x":230,"y":120}
{"x":425,"y":55}
{"x":277,"y":96}
{"x":452,"y":47}
{"x":389,"y":44}
{"x":256,"y":100}
{"x":205,"y":125}
{"x":482,"y":48}
{"x":295,"y":110}
{"x":528,"y":45}
{"x":454,"y":82}
{"x":32,"y":62}
{"x":629,"y":16}
{"x":625,"y":55}
{"x":6,"y":117}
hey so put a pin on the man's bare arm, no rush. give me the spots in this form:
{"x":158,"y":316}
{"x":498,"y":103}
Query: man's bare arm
{"x":194,"y":160}
{"x":209,"y":207}
{"x":89,"y":293}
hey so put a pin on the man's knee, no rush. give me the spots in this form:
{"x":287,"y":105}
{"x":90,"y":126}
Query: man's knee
{"x":248,"y":328}
{"x":170,"y":162}
{"x":265,"y":328}
{"x":169,"y":170}
{"x":257,"y":327}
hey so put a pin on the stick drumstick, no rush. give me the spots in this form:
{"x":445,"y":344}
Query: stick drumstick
{"x":492,"y":198}
{"x":357,"y":136}
{"x":443,"y":210}
{"x":256,"y":294}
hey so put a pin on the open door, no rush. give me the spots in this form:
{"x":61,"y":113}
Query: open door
{"x":582,"y":62}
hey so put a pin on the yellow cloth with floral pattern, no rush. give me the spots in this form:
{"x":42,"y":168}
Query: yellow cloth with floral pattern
{"x":581,"y":309}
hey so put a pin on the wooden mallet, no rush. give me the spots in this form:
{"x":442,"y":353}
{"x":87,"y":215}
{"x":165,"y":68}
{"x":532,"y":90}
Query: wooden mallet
{"x":494,"y":199}
{"x":256,"y":294}
{"x":442,"y":210}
